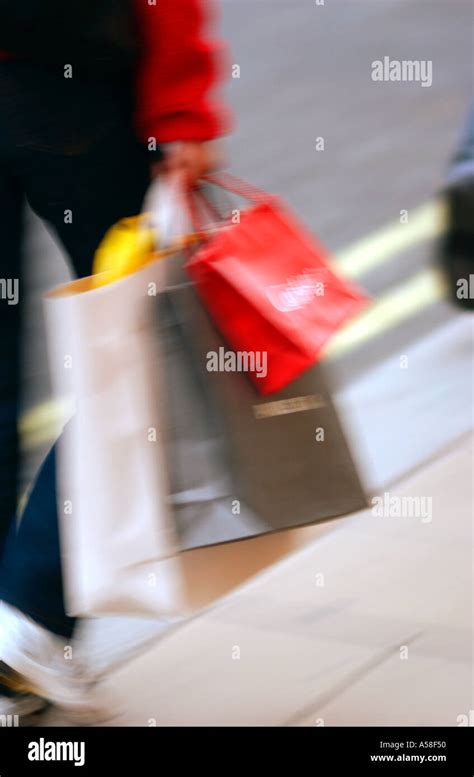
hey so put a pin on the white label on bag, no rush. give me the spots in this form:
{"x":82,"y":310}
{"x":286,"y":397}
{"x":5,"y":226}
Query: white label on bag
{"x":298,"y":291}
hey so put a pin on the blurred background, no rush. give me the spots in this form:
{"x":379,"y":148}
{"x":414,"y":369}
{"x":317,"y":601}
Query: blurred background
{"x":401,"y":378}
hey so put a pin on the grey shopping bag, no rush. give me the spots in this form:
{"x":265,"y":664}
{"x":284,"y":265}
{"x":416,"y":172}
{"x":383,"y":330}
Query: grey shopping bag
{"x":241,"y":465}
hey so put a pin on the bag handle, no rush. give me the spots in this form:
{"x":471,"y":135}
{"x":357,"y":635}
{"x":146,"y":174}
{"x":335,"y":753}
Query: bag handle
{"x":232,"y":183}
{"x":165,"y":202}
{"x":174,"y":214}
{"x":171,"y":207}
{"x":228,"y":183}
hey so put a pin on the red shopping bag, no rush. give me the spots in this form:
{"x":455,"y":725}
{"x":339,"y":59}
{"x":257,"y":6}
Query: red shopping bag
{"x":267,"y":285}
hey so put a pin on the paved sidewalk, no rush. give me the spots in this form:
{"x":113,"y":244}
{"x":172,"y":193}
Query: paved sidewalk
{"x":368,"y":624}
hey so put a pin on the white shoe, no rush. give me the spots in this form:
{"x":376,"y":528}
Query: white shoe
{"x":39,"y":667}
{"x":17,"y":708}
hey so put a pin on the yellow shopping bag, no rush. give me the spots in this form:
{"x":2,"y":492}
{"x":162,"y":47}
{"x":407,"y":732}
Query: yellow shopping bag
{"x":128,"y":246}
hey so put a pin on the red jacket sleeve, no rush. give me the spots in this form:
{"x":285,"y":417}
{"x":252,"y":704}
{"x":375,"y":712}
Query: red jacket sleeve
{"x":179,"y":68}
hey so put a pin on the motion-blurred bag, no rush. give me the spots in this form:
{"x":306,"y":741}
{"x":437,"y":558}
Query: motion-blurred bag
{"x":164,"y":456}
{"x":269,"y":288}
{"x":117,"y":532}
{"x":263,"y":464}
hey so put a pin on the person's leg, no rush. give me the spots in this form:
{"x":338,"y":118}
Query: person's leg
{"x":10,"y":322}
{"x":32,"y":556}
{"x":457,"y":246}
{"x":80,"y":196}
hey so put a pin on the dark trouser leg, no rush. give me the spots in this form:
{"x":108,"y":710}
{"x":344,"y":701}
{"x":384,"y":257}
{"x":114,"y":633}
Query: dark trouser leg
{"x":94,"y":189}
{"x":10,"y":273}
{"x":82,"y":195}
{"x":457,"y":247}
{"x":31,"y":578}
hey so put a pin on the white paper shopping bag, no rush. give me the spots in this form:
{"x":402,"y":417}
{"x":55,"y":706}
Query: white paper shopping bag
{"x":117,"y":533}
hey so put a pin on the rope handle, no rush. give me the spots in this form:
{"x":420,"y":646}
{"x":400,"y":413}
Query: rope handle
{"x":198,"y":203}
{"x":228,"y":183}
{"x":232,"y":183}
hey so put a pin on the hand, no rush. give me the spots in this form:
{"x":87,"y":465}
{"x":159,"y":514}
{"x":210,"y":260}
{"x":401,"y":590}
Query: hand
{"x":191,"y":159}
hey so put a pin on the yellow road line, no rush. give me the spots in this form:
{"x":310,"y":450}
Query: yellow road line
{"x":424,"y":223}
{"x":403,"y":302}
{"x":43,"y":423}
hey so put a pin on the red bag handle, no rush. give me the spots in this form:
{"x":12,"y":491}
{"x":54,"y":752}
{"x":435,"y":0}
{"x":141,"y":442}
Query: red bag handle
{"x":195,"y":215}
{"x":229,"y":183}
{"x":198,"y":196}
{"x":232,"y":183}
